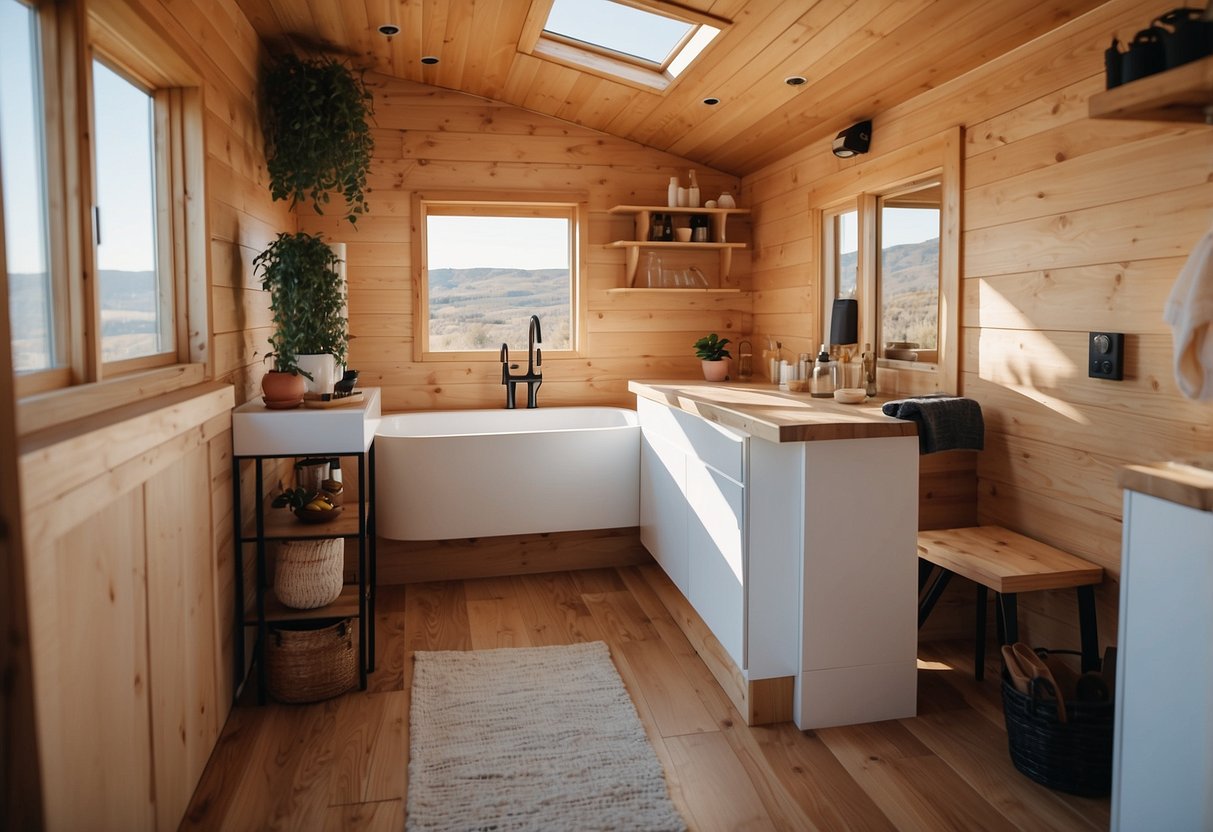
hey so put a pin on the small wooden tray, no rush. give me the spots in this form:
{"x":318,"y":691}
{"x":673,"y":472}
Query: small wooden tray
{"x":315,"y":400}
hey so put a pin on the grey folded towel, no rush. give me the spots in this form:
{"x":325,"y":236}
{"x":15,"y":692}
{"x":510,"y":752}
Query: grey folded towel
{"x":944,"y":422}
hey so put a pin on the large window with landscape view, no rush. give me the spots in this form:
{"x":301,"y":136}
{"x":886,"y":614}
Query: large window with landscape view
{"x":101,"y":149}
{"x":489,"y":267}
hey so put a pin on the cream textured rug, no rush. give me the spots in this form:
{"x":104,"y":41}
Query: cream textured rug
{"x":530,"y":738}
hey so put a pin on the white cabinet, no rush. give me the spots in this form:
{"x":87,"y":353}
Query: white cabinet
{"x":1163,"y":754}
{"x":663,"y":515}
{"x":715,"y":534}
{"x":800,"y":557}
{"x":692,"y":515}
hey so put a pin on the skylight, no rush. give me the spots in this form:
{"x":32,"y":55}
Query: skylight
{"x":618,"y":28}
{"x":639,"y":42}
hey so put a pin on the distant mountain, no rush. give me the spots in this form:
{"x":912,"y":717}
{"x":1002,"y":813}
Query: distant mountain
{"x":129,"y":308}
{"x":475,"y":309}
{"x":909,"y":276}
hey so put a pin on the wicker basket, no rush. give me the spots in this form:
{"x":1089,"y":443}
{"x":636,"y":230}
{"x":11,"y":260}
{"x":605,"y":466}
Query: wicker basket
{"x":1074,"y":756}
{"x":308,"y":661}
{"x":307,"y":574}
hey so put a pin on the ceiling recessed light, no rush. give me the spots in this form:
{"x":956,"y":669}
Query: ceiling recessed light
{"x":795,"y":80}
{"x":429,"y":60}
{"x":389,"y":29}
{"x":711,"y":101}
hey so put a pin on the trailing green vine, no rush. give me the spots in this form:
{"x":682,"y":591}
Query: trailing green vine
{"x":317,"y":136}
{"x":307,"y":294}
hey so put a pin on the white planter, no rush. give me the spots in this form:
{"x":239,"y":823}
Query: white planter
{"x":323,"y":370}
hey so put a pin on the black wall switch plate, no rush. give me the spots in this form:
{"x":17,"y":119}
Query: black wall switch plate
{"x":1106,"y":355}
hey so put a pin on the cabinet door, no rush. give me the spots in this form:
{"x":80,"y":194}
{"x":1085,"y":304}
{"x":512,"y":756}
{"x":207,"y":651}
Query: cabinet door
{"x":1163,"y":757}
{"x":663,"y":511}
{"x":716,"y":529}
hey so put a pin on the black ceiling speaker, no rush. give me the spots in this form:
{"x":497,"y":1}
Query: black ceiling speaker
{"x":854,"y":140}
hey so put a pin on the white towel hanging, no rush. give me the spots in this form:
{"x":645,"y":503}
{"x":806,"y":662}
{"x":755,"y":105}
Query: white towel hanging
{"x":1189,"y":311}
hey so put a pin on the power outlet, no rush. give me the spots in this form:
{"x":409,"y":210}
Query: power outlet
{"x":1106,"y":355}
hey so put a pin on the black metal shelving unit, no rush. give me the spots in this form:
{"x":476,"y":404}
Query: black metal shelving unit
{"x":357,"y":600}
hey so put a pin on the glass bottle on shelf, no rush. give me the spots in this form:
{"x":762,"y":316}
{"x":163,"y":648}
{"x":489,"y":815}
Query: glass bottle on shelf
{"x":656,"y":227}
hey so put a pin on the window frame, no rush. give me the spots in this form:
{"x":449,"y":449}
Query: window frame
{"x":632,"y":70}
{"x":516,"y":203}
{"x":113,"y":32}
{"x":863,"y":184}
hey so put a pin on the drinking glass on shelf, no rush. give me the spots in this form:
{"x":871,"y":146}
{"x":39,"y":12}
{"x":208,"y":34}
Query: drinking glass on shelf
{"x":652,"y":271}
{"x":696,"y":278}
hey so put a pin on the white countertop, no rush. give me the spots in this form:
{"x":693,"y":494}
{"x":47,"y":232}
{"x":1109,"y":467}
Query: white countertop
{"x":302,"y":431}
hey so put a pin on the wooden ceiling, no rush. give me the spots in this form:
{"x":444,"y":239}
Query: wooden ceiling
{"x":860,"y":57}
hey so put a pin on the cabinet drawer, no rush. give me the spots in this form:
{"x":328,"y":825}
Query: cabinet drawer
{"x":721,"y":447}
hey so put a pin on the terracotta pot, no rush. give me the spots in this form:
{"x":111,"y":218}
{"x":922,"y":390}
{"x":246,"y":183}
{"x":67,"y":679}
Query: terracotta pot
{"x":282,"y":391}
{"x":716,"y":370}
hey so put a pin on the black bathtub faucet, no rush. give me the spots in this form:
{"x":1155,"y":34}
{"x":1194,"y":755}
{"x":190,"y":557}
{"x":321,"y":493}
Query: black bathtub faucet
{"x":533,"y":376}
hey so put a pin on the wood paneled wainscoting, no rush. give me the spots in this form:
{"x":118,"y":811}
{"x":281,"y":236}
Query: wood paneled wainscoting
{"x":129,"y":562}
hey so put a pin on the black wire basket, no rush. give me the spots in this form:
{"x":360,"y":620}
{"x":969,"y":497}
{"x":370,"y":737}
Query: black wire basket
{"x":1074,"y":756}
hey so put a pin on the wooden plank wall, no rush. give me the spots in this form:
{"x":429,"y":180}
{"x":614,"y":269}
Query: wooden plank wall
{"x":127,"y":622}
{"x":428,"y":139}
{"x":131,"y":578}
{"x":1070,"y":225}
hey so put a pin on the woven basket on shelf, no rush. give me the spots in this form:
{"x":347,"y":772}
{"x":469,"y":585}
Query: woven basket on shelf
{"x":1073,"y":756}
{"x":307,"y":574}
{"x":309,"y":661}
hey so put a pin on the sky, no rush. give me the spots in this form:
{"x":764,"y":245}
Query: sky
{"x":617,"y":27}
{"x":122,"y":116}
{"x":502,"y":242}
{"x":19,"y":157}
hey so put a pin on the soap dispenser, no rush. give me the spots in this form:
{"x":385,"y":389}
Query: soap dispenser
{"x":825,"y":375}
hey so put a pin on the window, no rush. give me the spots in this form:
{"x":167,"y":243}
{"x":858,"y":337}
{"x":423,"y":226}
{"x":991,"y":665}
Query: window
{"x":908,"y":276}
{"x":890,"y":238}
{"x":102,"y":165}
{"x":840,"y":261}
{"x":23,"y":163}
{"x":488,"y":266}
{"x":644,"y":43}
{"x":136,"y":298}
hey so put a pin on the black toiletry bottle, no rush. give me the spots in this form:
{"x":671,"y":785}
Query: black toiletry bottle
{"x":1111,"y":62}
{"x":667,"y":233}
{"x":656,"y":228}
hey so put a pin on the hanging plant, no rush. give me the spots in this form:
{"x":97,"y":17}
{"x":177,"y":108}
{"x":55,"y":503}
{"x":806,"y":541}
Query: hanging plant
{"x":307,"y":295}
{"x":317,"y":137}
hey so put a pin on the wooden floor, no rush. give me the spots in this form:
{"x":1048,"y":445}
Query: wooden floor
{"x":342,"y":764}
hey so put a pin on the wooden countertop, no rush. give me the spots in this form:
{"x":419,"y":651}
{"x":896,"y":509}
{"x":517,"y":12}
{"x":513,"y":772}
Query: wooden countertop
{"x":765,"y":411}
{"x":1188,"y":482}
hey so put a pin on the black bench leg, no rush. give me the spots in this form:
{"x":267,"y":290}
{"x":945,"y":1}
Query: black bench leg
{"x":924,"y":572}
{"x":1008,"y":610}
{"x":928,"y":603}
{"x":979,"y":656}
{"x":1088,"y":629}
{"x":999,"y":632}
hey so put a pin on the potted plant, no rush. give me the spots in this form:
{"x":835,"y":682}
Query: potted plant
{"x":307,"y":298}
{"x":715,"y":358}
{"x":317,"y":139}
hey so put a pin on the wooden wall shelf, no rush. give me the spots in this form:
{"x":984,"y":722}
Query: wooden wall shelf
{"x":1184,"y":93}
{"x":643,"y":215}
{"x":632,"y":290}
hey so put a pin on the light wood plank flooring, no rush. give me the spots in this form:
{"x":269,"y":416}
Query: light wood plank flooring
{"x":342,"y":764}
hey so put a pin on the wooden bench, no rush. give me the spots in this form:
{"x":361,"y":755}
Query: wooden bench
{"x":1008,"y":563}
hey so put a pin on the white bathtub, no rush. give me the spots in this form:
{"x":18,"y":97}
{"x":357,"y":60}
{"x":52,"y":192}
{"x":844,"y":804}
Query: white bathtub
{"x":480,"y":473}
